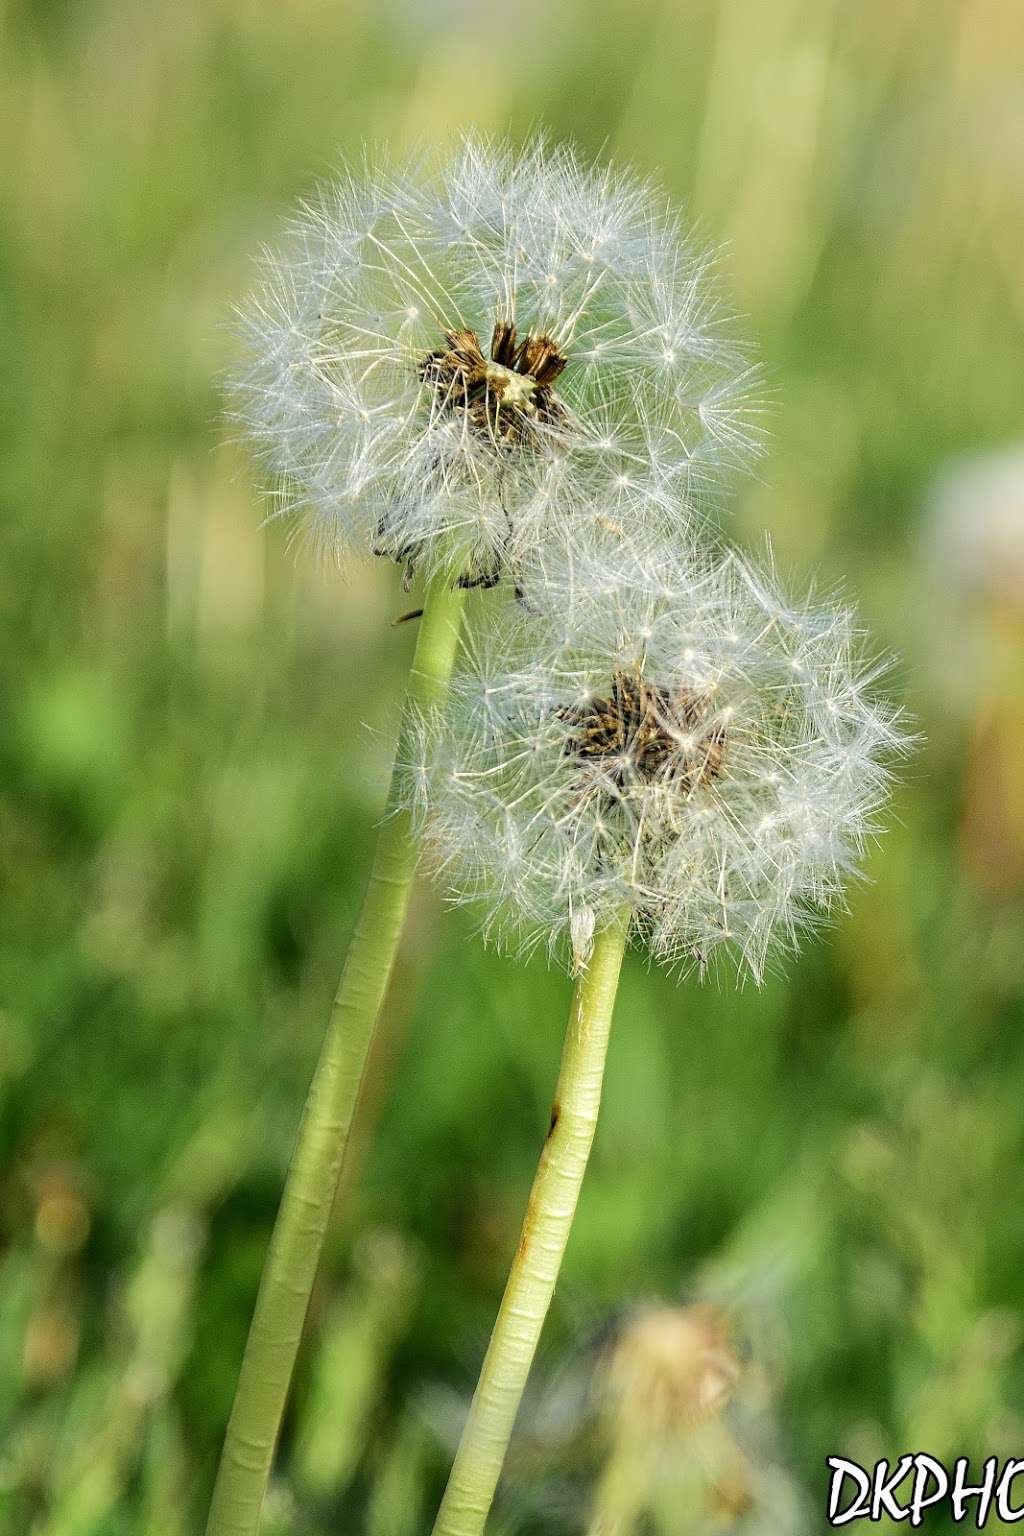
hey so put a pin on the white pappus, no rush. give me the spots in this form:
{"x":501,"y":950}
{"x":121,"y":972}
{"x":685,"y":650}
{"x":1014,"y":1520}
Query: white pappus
{"x":448,"y":361}
{"x":666,"y":733}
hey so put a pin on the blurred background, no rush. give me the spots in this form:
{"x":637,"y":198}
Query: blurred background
{"x":819,"y":1185}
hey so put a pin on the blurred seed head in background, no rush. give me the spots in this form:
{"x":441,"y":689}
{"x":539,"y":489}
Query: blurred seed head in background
{"x":670,"y":1367}
{"x":974,"y":526}
{"x":972,"y":634}
{"x":668,"y":1424}
{"x":675,"y":1459}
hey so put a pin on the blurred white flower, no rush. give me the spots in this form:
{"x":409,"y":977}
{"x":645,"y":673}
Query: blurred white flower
{"x":668,"y":1368}
{"x":666,"y":1422}
{"x":667,"y":734}
{"x":679,"y":1454}
{"x":453,"y":361}
{"x":974,"y":525}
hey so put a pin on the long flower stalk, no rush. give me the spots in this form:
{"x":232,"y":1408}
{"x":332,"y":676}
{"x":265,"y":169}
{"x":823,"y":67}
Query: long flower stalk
{"x":542,"y":1243}
{"x":297,"y":1240}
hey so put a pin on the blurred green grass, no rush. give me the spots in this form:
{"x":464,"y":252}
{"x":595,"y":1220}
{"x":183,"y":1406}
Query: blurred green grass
{"x":197,"y":723}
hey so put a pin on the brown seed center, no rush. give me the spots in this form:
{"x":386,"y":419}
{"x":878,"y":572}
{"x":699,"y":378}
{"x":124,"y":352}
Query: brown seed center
{"x":503,"y":395}
{"x":642,"y":733}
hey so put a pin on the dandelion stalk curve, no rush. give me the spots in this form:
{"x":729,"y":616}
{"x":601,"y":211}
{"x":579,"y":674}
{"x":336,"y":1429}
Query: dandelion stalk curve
{"x":534,"y":1273}
{"x":297,"y":1240}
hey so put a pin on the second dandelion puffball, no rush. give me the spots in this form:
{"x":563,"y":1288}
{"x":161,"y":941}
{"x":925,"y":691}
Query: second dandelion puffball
{"x":668,"y":735}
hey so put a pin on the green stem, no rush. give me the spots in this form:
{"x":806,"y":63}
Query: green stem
{"x":294,"y":1253}
{"x":538,"y":1258}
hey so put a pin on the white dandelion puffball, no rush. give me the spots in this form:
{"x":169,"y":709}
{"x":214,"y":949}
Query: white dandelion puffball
{"x":672,"y":738}
{"x":447,"y":363}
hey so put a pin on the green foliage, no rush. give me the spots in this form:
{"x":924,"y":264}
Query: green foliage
{"x":197,"y":734}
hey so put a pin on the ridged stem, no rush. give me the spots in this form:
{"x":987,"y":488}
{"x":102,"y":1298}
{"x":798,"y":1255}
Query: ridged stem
{"x":531,"y":1282}
{"x":297,"y":1240}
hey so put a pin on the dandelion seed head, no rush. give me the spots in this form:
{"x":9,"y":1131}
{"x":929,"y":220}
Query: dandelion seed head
{"x":645,"y":740}
{"x":458,"y":359}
